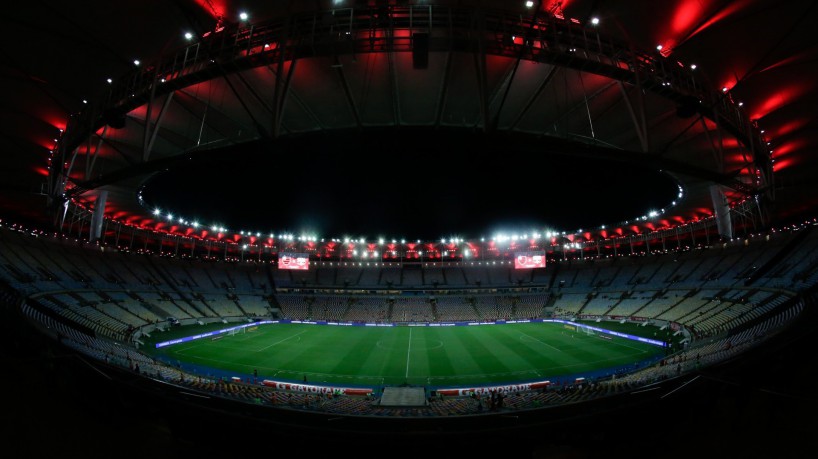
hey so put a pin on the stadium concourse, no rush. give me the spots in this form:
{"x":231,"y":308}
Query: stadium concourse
{"x":468,"y":228}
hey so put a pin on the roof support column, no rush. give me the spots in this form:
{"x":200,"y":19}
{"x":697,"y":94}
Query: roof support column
{"x":722,"y":212}
{"x":97,"y":217}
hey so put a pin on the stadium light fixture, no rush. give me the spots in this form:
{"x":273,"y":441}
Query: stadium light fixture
{"x":188,"y":36}
{"x":595,"y":21}
{"x":243,"y":16}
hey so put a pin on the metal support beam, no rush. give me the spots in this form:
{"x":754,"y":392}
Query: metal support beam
{"x":150,"y":132}
{"x":639,"y":123}
{"x":339,"y":70}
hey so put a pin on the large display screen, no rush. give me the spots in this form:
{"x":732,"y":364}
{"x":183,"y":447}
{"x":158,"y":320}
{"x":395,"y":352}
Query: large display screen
{"x":528,"y":260}
{"x":288,"y":260}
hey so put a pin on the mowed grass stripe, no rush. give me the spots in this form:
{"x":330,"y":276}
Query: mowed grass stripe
{"x":474,"y":341}
{"x":527,"y":350}
{"x":318,"y":352}
{"x":438,"y":362}
{"x":464,"y":367}
{"x":438,"y":355}
{"x":357,"y":357}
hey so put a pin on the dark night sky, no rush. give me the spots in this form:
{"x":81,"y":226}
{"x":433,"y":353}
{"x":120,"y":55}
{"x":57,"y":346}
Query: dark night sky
{"x":420,"y":187}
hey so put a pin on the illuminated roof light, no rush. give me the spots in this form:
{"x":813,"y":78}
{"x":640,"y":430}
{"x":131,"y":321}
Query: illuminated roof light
{"x":162,"y":80}
{"x":741,"y":104}
{"x":725,"y":89}
{"x":693,"y":66}
{"x":594,"y":20}
{"x":109,"y":80}
{"x":170,"y":216}
{"x":157,"y":211}
{"x":380,"y":241}
{"x":243,"y":16}
{"x":188,"y":36}
{"x":659,"y":47}
{"x":136,"y":62}
{"x":84,"y":101}
{"x":195,"y":224}
{"x":529,"y":4}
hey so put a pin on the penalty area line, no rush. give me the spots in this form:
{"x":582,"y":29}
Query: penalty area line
{"x":281,"y":341}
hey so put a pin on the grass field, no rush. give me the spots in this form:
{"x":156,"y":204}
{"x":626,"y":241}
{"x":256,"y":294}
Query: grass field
{"x":429,"y":356}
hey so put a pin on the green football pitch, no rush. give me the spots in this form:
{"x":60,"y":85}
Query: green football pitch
{"x":452,"y":356}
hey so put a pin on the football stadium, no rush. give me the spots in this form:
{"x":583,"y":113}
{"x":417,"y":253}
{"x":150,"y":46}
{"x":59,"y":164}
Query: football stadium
{"x":410,"y":228}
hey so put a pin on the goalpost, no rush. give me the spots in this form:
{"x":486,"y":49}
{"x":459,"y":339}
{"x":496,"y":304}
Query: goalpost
{"x":237,"y":331}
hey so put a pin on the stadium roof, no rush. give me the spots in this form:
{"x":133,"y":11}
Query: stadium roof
{"x":542,"y":81}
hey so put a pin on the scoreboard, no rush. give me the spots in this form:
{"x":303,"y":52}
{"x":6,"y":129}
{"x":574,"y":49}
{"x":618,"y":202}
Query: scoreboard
{"x":528,"y":260}
{"x":290,"y":260}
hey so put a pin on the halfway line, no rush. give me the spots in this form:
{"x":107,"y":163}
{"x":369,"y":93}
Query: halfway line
{"x":407,"y":352}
